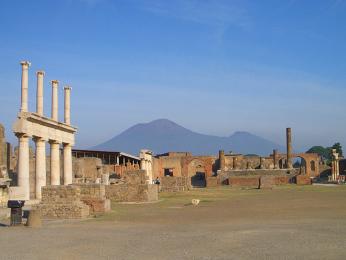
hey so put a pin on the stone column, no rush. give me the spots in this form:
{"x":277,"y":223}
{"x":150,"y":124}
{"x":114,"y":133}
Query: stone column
{"x":142,"y":164}
{"x":275,"y":158}
{"x":67,"y":107}
{"x":67,"y":164}
{"x":262,"y":162}
{"x":40,"y":166}
{"x":39,"y":93}
{"x":234,"y":163}
{"x":222,"y":160}
{"x":335,"y":165}
{"x":289,"y":148}
{"x":55,"y":100}
{"x":54,"y":163}
{"x":24,"y":99}
{"x":23,"y":166}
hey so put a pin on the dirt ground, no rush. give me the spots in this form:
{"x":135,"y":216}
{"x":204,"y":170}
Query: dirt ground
{"x":288,"y":222}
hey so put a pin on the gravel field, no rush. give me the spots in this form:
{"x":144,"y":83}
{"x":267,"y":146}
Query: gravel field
{"x":288,"y":222}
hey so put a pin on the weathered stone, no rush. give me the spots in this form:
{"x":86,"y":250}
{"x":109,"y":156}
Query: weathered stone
{"x":245,"y":182}
{"x":63,"y":202}
{"x":34,"y":219}
{"x":303,"y":180}
{"x":267,"y":182}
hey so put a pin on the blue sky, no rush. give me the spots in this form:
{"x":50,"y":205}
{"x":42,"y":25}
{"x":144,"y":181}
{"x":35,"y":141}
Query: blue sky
{"x":212,"y":66}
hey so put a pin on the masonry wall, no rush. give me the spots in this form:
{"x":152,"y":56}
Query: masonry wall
{"x":62,"y":202}
{"x":132,"y":187}
{"x":247,"y":162}
{"x":174,"y":184}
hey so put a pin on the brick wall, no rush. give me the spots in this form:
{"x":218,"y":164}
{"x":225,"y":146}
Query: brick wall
{"x":174,"y":184}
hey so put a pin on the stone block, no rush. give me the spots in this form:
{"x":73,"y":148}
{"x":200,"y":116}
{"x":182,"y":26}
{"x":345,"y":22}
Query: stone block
{"x":212,"y":182}
{"x":267,"y":182}
{"x":303,"y":180}
{"x":98,"y":205}
{"x":34,"y":219}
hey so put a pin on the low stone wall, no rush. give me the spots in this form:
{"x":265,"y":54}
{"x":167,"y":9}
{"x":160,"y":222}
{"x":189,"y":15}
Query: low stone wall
{"x":303,"y":180}
{"x":94,"y":195}
{"x":132,"y":192}
{"x":62,"y":202}
{"x":212,"y":182}
{"x":224,"y":175}
{"x":174,"y":184}
{"x":244,"y":182}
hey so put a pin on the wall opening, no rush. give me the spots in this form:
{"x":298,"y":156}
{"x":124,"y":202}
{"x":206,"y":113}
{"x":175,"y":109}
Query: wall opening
{"x":168,"y":172}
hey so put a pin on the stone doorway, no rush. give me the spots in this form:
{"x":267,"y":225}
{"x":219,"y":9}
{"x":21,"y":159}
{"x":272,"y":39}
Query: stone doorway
{"x":198,"y":180}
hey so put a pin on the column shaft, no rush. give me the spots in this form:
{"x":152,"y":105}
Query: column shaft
{"x":67,"y":164}
{"x":289,"y":147}
{"x":275,"y":158}
{"x":40,"y":167}
{"x":67,"y":107}
{"x":54,"y":164}
{"x":55,"y":100}
{"x":222,"y":160}
{"x":23,"y":166}
{"x":24,"y":97}
{"x":39,"y":93}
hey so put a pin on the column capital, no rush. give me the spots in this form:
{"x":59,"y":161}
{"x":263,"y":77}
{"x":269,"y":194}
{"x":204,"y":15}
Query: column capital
{"x":25,"y":64}
{"x":40,"y":72}
{"x":55,"y":82}
{"x":38,"y":139}
{"x":53,"y":142}
{"x":67,"y":88}
{"x":21,"y":135}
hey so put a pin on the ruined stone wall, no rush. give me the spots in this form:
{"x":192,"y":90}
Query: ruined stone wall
{"x":281,"y":174}
{"x":132,"y":193}
{"x":166,"y":162}
{"x":94,"y":195}
{"x":174,"y":184}
{"x":248,"y":162}
{"x":63,"y":202}
{"x":132,"y":187}
{"x":87,"y":168}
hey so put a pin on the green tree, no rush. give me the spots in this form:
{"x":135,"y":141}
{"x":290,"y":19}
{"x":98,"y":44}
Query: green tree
{"x":338,"y":148}
{"x":322,"y":151}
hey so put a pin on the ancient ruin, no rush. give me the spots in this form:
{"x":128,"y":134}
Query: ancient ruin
{"x":183,"y":171}
{"x":43,"y":129}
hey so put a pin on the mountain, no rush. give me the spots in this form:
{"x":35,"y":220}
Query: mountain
{"x":163,"y":135}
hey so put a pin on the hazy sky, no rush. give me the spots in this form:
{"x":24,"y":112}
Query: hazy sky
{"x":214,"y":67}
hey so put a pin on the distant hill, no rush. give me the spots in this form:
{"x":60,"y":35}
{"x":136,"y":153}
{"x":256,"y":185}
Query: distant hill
{"x":163,"y":135}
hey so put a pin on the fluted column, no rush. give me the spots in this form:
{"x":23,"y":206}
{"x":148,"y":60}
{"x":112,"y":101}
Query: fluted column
{"x":40,"y":166}
{"x":24,"y":97}
{"x":39,"y":93}
{"x":67,"y":107}
{"x":67,"y":164}
{"x":23,"y":166}
{"x":55,"y":100}
{"x":54,"y":163}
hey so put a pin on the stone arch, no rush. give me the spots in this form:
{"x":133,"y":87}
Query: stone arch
{"x":197,"y":173}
